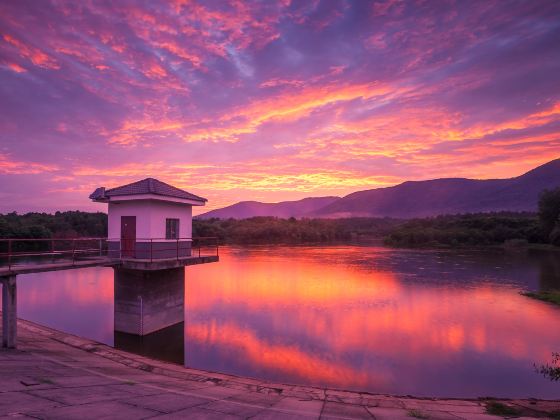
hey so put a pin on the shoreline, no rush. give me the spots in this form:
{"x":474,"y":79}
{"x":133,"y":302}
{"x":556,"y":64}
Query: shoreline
{"x":42,"y":342}
{"x":549,"y":296}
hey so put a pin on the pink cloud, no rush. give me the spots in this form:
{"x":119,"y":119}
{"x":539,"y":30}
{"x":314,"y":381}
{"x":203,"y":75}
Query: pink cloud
{"x":271,"y":100}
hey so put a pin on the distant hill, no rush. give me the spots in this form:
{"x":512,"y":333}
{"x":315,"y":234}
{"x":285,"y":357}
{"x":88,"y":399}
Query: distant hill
{"x":448,"y":196}
{"x":414,"y":198}
{"x":284,"y":209}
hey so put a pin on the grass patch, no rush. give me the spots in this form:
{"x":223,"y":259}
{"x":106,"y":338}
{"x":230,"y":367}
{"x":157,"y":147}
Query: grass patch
{"x":498,"y":409}
{"x":550,"y":296}
{"x":417,"y":414}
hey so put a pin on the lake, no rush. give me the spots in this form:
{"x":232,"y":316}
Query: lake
{"x":417,"y":322}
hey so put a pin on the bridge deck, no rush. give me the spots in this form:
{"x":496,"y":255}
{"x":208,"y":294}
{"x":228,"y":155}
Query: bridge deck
{"x":133,"y":264}
{"x":77,"y":253}
{"x":40,"y":267}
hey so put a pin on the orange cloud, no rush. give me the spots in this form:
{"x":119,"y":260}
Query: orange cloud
{"x":281,"y":82}
{"x":155,"y":70}
{"x":180,"y":52}
{"x":16,"y":67}
{"x":14,"y":167}
{"x":532,"y":120}
{"x":232,"y":180}
{"x":36,"y":56}
{"x":287,"y":107}
{"x":246,"y":120}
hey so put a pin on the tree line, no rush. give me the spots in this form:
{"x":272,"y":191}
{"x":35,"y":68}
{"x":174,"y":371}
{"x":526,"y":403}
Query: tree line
{"x":258,"y":230}
{"x":480,"y":229}
{"x":513,"y":229}
{"x":67,"y":224}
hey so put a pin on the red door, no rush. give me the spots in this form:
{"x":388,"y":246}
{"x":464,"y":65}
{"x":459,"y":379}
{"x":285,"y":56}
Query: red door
{"x":128,"y":236}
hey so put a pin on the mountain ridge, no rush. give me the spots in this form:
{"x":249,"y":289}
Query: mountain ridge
{"x":283,"y":209}
{"x":412,"y":199}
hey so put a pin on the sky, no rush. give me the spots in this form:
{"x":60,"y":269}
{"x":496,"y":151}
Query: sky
{"x":271,"y":100}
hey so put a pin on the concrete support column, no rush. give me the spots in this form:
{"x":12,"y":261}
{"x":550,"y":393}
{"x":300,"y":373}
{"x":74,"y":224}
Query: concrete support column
{"x":9,"y":312}
{"x":147,"y":301}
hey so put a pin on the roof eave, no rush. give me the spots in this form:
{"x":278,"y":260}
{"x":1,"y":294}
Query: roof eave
{"x":157,"y":197}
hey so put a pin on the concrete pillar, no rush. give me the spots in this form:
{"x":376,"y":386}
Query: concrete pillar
{"x":9,"y":312}
{"x":148,"y":301}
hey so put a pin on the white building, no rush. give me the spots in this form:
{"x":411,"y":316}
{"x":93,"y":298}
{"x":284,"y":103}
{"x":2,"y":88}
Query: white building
{"x":149,"y":219}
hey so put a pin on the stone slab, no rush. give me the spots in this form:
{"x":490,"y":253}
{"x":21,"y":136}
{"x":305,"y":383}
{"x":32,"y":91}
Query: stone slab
{"x":197,"y":413}
{"x":167,"y":403}
{"x":95,"y":411}
{"x":339,"y":410}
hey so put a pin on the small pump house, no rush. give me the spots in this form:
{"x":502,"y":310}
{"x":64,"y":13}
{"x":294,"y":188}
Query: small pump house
{"x":148,"y":219}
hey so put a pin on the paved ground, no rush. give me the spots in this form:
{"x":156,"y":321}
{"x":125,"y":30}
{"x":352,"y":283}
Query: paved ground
{"x":59,"y":376}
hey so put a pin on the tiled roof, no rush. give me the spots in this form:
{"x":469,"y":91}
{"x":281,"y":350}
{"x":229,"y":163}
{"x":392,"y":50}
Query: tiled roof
{"x":146,"y":186}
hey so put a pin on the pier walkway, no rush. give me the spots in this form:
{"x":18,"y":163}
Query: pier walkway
{"x":136,"y":264}
{"x":26,"y":256}
{"x":58,"y":375}
{"x":40,"y":267}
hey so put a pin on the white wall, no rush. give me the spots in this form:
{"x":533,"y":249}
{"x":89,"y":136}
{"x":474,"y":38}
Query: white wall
{"x":150,"y":218}
{"x":161,"y":210}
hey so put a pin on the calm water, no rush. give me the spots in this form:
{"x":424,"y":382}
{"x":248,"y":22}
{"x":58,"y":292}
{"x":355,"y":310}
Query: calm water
{"x":364,"y":318}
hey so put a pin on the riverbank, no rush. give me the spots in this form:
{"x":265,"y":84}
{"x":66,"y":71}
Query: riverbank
{"x":549,"y":296}
{"x":53,"y":374}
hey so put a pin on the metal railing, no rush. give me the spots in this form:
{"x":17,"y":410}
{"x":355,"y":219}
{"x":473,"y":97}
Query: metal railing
{"x":162,"y":248}
{"x":29,"y":250}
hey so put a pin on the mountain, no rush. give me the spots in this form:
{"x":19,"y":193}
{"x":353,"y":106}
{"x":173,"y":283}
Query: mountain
{"x":414,"y":198}
{"x":448,"y":196}
{"x":284,"y":209}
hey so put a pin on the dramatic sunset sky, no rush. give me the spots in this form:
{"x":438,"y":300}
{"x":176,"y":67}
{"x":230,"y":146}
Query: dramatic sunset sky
{"x":269,"y":101}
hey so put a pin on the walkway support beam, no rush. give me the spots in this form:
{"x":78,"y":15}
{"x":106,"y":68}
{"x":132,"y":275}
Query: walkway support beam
{"x":9,"y":312}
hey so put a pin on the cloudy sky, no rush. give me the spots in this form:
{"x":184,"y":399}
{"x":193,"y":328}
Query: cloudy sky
{"x":263,"y":100}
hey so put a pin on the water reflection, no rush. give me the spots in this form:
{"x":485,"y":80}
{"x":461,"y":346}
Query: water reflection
{"x":550,"y":271}
{"x":167,"y":344}
{"x":389,"y":321}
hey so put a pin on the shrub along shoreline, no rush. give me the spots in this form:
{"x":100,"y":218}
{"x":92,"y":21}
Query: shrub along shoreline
{"x":455,"y":231}
{"x":469,"y":230}
{"x":550,"y":296}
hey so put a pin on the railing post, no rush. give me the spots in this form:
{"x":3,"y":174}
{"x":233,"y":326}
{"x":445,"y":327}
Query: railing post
{"x":9,"y":254}
{"x":9,"y":312}
{"x":141,"y":316}
{"x":217,"y":244}
{"x":177,"y":249}
{"x":73,"y":250}
{"x":151,"y":249}
{"x":101,"y":247}
{"x":199,"y":246}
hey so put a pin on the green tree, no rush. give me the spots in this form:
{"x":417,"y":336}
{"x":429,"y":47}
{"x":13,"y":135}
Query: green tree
{"x":549,"y":214}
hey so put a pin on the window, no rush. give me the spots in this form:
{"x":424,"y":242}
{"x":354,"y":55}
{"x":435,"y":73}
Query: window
{"x":171,"y":228}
